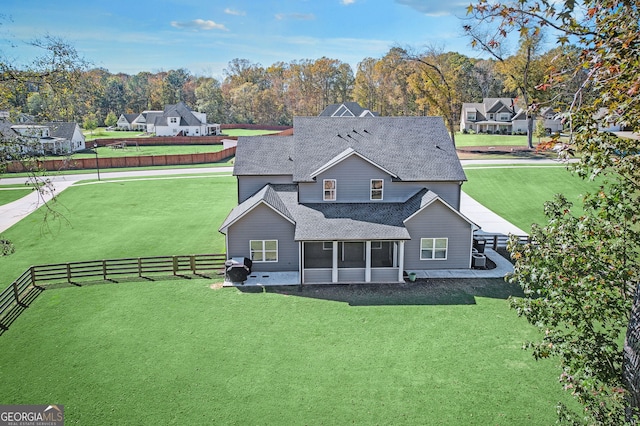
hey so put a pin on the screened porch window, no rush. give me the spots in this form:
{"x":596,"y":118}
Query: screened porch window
{"x":433,"y":248}
{"x":264,"y":250}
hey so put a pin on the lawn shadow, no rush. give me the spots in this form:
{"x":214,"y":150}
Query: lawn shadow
{"x":13,"y":312}
{"x":419,"y":292}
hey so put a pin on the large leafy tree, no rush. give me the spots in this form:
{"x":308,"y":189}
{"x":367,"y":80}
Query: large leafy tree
{"x":580,"y":273}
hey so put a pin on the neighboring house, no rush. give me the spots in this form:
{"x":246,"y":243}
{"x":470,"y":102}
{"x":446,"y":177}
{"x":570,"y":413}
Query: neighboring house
{"x":174,"y":120}
{"x":501,"y":116}
{"x":57,"y":138}
{"x":69,"y":132}
{"x":346,"y":109}
{"x":128,"y":122}
{"x":347,"y":200}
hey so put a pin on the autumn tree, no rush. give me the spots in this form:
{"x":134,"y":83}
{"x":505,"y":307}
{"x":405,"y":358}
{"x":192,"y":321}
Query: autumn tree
{"x":580,"y":273}
{"x":522,"y":71}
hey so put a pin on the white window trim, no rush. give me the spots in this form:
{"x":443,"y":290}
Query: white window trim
{"x":263,"y":251}
{"x":324,"y":190}
{"x":327,"y":245}
{"x":471,"y":116}
{"x":446,"y":249}
{"x":376,"y":245}
{"x":371,"y":189}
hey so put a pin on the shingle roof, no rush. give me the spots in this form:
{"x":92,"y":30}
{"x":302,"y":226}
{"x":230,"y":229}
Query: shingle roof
{"x":63,"y":130}
{"x":336,"y":221}
{"x":266,"y":195}
{"x":264,"y":155}
{"x":345,"y":109}
{"x":413,"y":148}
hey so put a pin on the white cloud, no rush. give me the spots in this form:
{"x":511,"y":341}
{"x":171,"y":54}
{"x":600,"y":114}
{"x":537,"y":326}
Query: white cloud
{"x":199,"y":24}
{"x":437,"y":8}
{"x":347,"y":2}
{"x":229,"y":11}
{"x":296,"y":16}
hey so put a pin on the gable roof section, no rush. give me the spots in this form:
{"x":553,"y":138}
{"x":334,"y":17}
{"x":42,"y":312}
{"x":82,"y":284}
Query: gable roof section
{"x":265,"y":196}
{"x":411,"y":148}
{"x":180,"y":110}
{"x":264,"y":155}
{"x":346,"y":109}
{"x":343,"y":156}
{"x":338,"y":221}
{"x":64,"y":130}
{"x":431,"y":197}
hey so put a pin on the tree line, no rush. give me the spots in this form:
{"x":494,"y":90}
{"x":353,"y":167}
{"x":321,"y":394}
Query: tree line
{"x":399,"y":83}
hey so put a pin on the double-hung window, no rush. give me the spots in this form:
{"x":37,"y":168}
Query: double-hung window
{"x":264,"y":250}
{"x":377,"y":186}
{"x":329,"y":189}
{"x":433,"y":248}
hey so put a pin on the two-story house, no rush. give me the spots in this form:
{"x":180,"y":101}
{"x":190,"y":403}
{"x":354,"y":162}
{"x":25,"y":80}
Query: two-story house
{"x":350,"y":200}
{"x":502,"y":116}
{"x":175,"y":120}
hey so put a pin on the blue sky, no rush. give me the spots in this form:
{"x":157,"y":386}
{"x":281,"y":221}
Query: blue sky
{"x":204,"y":35}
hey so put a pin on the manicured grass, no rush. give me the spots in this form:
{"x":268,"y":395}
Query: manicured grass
{"x":102,"y":133}
{"x":124,"y":219}
{"x":248,"y":132}
{"x":463,"y":140}
{"x":178,"y":352}
{"x":132,"y":151}
{"x":9,"y":195}
{"x":518,"y":193}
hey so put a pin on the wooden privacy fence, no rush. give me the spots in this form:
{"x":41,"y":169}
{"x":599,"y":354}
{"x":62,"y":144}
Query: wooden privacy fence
{"x":122,"y":162}
{"x":21,"y":291}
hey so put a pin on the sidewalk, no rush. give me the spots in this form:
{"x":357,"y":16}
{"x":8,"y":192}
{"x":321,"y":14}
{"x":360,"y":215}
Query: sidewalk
{"x":14,"y":212}
{"x":489,"y":222}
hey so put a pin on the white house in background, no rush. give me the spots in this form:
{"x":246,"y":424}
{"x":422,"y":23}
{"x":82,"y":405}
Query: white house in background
{"x":174,"y":120}
{"x":501,"y":116}
{"x":56,"y":138}
{"x":128,"y":122}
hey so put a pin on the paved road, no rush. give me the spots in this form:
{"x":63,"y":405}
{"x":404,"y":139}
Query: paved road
{"x":12,"y":213}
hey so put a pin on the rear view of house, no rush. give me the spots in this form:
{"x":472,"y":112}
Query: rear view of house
{"x":348,"y":200}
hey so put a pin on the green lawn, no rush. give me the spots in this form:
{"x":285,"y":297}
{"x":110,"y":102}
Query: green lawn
{"x":8,"y":195}
{"x":463,"y":140}
{"x":179,"y":352}
{"x":102,"y":133}
{"x":248,"y":132}
{"x":132,"y":151}
{"x":518,"y":193}
{"x":124,"y":219}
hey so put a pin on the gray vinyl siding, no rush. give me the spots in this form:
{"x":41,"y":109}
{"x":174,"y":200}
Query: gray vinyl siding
{"x":353,"y":183}
{"x":249,"y":185}
{"x":438,"y":221}
{"x":448,"y":191}
{"x":263,"y":223}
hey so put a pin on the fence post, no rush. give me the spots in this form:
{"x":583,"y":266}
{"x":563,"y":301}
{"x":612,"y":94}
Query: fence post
{"x":192,"y":261}
{"x":140,"y":267}
{"x":32,"y":271}
{"x":104,"y":270}
{"x":68,"y":272}
{"x":16,"y":294}
{"x":175,"y":265}
{"x":495,"y":242}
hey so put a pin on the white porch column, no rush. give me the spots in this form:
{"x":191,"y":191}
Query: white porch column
{"x":400,"y":260}
{"x":334,"y":263}
{"x":367,"y":267}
